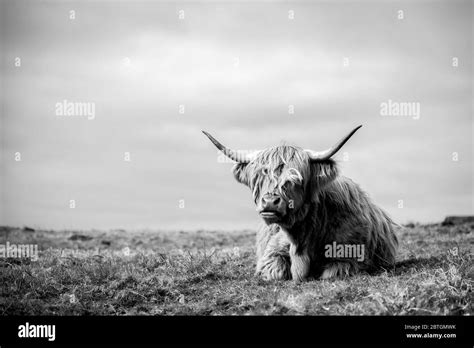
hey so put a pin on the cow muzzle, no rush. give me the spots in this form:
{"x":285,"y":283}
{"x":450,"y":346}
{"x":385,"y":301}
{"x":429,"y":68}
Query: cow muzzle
{"x":272,"y":208}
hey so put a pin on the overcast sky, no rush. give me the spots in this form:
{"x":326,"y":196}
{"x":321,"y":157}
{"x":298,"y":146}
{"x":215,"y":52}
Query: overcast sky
{"x":235,"y":67}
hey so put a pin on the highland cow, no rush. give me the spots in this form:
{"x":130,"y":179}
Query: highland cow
{"x":307,"y":207}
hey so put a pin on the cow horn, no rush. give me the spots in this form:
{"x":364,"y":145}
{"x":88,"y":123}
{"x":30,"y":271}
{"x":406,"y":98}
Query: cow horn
{"x":233,"y":155}
{"x":325,"y":155}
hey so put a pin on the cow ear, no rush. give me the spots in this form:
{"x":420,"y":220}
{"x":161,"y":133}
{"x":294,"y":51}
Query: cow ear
{"x":240,"y":173}
{"x":323,"y":173}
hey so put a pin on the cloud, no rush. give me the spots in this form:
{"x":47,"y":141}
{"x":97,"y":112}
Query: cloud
{"x":235,"y":68}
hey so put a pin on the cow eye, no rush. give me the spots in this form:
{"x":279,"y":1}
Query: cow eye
{"x":265,"y":171}
{"x":297,"y":181}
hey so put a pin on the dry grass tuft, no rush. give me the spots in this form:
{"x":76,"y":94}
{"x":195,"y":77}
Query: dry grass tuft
{"x":211,"y":273}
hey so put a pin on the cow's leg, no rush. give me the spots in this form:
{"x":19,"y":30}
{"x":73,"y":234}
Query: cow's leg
{"x":274,"y":266}
{"x":273,"y":259}
{"x":339,"y":269}
{"x":300,"y":263}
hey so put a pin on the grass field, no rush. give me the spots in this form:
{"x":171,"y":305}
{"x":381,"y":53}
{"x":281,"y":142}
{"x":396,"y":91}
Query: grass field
{"x":211,"y":273}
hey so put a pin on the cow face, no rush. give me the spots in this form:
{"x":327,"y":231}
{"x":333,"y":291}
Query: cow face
{"x":277,"y":178}
{"x":284,"y":180}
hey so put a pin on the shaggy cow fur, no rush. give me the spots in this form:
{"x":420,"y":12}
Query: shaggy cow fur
{"x":320,"y":207}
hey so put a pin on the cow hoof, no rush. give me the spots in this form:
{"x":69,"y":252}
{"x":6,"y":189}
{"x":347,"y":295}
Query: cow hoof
{"x":275,"y":274}
{"x":276,"y":271}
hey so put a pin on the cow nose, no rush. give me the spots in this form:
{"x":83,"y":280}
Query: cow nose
{"x":270,"y":202}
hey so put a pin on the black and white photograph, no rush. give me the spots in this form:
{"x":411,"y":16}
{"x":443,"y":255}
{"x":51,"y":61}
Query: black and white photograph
{"x":262,"y":160}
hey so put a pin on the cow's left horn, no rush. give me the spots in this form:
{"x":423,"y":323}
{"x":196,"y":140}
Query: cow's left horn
{"x":325,"y":155}
{"x":233,"y":155}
